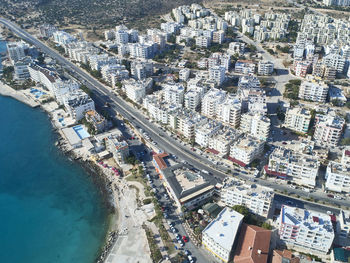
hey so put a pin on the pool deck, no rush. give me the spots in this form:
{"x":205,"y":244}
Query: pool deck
{"x":6,"y":90}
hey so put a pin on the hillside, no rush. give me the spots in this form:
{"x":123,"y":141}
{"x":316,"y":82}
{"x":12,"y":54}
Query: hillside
{"x":89,"y":13}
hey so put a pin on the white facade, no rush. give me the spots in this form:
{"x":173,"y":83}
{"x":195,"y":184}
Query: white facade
{"x":203,"y":41}
{"x":77,"y":103}
{"x":184,"y":74}
{"x":212,"y":101}
{"x":229,"y":112}
{"x":299,"y":168}
{"x":314,"y":91}
{"x":119,"y":148}
{"x":246,"y":149}
{"x":309,"y":230}
{"x":257,"y":199}
{"x":328,"y":130}
{"x":174,"y":93}
{"x":220,"y":235}
{"x":135,"y":90}
{"x":343,"y":229}
{"x":205,"y":132}
{"x":61,"y":88}
{"x":338,"y":177}
{"x":43,"y":75}
{"x":265,"y":68}
{"x":217,"y":74}
{"x":256,"y":125}
{"x":16,"y":50}
{"x":298,"y":119}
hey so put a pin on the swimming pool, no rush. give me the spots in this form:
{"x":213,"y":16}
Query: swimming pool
{"x":81,"y":132}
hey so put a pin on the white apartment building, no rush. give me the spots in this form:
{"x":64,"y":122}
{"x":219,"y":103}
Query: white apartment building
{"x":229,"y":112}
{"x":21,"y":71}
{"x":297,"y":167}
{"x":236,"y":48}
{"x":258,"y":199}
{"x":61,"y":88}
{"x":298,"y":119}
{"x":328,"y":129}
{"x":265,"y":68}
{"x":217,"y":74}
{"x":141,"y":69}
{"x":43,"y":75}
{"x":245,"y":150}
{"x":203,"y":42}
{"x":211,"y":102}
{"x":205,"y":132}
{"x":16,"y":51}
{"x":256,"y":125}
{"x":218,"y":36}
{"x":135,"y":90}
{"x":338,"y":177}
{"x":342,"y":237}
{"x":77,"y":103}
{"x":345,"y":160}
{"x":308,"y":230}
{"x":119,"y":148}
{"x":173,"y":93}
{"x":245,"y":67}
{"x":221,"y":234}
{"x":62,"y":38}
{"x":336,"y":61}
{"x":184,"y":74}
{"x":192,"y":99}
{"x":313,"y":90}
{"x":220,"y":143}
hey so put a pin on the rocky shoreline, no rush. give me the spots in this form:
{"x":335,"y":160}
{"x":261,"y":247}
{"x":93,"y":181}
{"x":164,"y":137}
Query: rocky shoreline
{"x":105,"y":188}
{"x":97,"y":175}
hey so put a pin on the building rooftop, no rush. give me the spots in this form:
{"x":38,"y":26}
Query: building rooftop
{"x":253,"y":245}
{"x":187,"y":182}
{"x":283,"y":153}
{"x":159,"y":159}
{"x":339,"y":168}
{"x":247,"y":143}
{"x":311,"y":220}
{"x":223,"y":229}
{"x":245,"y":188}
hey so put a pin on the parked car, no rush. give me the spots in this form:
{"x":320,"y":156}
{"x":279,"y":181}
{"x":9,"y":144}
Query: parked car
{"x":184,"y":238}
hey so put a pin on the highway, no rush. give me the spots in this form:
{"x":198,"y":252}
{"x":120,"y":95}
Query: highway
{"x":165,"y":142}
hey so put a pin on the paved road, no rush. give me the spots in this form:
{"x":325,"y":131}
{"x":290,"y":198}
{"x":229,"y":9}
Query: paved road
{"x":166,"y":143}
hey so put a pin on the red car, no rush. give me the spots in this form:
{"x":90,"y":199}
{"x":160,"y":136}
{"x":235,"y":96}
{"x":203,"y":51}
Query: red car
{"x":184,"y":238}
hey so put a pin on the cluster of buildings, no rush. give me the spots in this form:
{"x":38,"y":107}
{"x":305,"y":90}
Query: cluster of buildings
{"x":213,"y":118}
{"x":270,"y":26}
{"x":200,"y":24}
{"x":336,"y":2}
{"x":321,"y":34}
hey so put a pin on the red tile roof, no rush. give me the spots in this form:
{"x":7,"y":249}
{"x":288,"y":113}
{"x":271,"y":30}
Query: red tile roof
{"x":159,"y":159}
{"x":253,"y":245}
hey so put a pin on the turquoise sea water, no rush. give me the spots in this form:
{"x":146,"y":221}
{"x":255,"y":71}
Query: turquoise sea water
{"x":50,"y":211}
